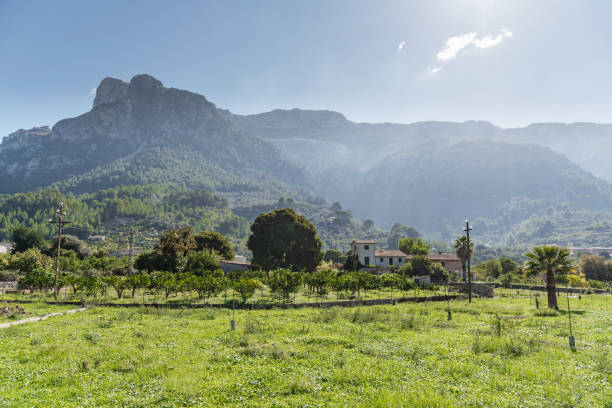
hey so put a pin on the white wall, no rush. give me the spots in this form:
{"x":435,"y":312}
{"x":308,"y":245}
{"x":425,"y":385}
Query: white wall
{"x":385,"y":261}
{"x":362,"y":253}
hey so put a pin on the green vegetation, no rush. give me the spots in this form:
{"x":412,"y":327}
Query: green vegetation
{"x":501,"y":352}
{"x":550,"y":260}
{"x":285,"y":239}
{"x":411,"y":247}
{"x":10,"y":312}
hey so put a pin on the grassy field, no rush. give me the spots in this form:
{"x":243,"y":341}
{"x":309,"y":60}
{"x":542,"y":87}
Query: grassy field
{"x":498,"y":352}
{"x":30,"y":310}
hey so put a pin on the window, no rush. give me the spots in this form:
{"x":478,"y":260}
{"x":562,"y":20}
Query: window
{"x":382,"y":260}
{"x":443,"y":264}
{"x":366,"y":247}
{"x":366,"y":260}
{"x":390,"y":261}
{"x":399,"y":260}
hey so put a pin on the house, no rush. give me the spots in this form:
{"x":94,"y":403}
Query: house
{"x":368,"y":255}
{"x":239,"y":263}
{"x":450,"y":262}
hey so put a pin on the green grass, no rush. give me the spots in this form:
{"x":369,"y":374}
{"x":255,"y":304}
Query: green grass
{"x":493,"y":353}
{"x":31,"y":310}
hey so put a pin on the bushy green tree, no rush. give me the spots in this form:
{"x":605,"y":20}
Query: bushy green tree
{"x":213,"y":241}
{"x":401,"y":231}
{"x":119,"y":283}
{"x":176,"y":244}
{"x":438,"y":273}
{"x":284,"y":239}
{"x":201,"y":262}
{"x":420,"y":265}
{"x":152,"y":261}
{"x":411,"y":247}
{"x":29,"y":260}
{"x":26,"y":238}
{"x":92,"y":285}
{"x":595,"y":267}
{"x":166,"y":281}
{"x":284,"y":281}
{"x":69,"y":243}
{"x":320,"y":280}
{"x":352,"y":261}
{"x":208,"y":284}
{"x":335,"y":256}
{"x":37,"y":278}
{"x":490,"y":268}
{"x":246,"y":287}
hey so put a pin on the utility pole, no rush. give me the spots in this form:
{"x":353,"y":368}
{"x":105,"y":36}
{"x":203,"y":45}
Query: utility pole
{"x":131,"y":244}
{"x":467,"y":230}
{"x":61,"y":213}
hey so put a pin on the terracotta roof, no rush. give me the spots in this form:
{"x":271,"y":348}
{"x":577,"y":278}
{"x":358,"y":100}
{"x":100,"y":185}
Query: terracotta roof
{"x":364,"y":241}
{"x":388,"y":252}
{"x":441,"y":257}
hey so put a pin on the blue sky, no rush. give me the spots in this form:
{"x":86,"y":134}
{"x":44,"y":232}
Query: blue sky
{"x":508,"y":62}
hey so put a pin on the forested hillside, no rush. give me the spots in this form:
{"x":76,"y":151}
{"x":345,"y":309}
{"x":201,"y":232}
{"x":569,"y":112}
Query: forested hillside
{"x":435,"y":174}
{"x":140,"y":133}
{"x":430,"y":175}
{"x":148,"y":210}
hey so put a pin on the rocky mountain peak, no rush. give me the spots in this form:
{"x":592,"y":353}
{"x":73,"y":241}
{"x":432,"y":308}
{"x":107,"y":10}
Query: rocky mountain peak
{"x":144,"y":85}
{"x":110,"y":90}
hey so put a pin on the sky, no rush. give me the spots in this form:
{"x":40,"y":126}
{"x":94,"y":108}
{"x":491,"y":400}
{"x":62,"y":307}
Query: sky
{"x":508,"y":62}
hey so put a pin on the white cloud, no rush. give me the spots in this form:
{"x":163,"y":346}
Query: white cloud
{"x":400,"y":46}
{"x":93,"y":91}
{"x":455,"y":44}
{"x":488,"y":41}
{"x":433,"y":70}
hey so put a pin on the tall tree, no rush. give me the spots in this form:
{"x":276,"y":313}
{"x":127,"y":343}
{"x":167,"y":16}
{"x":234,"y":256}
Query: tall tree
{"x":213,"y":241}
{"x":463,"y":250}
{"x":548,"y":260}
{"x":176,"y":244}
{"x":284,"y":239}
{"x":26,"y":238}
{"x":595,"y":267}
{"x":411,"y":247}
{"x":352,"y":261}
{"x":401,"y":231}
{"x":201,"y":262}
{"x":333,"y":255}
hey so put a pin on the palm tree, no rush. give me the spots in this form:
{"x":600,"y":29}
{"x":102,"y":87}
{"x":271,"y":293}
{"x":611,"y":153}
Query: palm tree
{"x":462,"y":251}
{"x":548,"y":259}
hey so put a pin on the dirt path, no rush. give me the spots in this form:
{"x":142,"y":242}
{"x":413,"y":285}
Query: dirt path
{"x":35,"y":319}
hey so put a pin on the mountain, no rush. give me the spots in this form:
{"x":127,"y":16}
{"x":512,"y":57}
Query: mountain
{"x":532,"y":184}
{"x":322,"y":132}
{"x":143,"y":132}
{"x":432,"y":175}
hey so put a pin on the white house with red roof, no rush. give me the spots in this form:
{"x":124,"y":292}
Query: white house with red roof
{"x":368,"y":255}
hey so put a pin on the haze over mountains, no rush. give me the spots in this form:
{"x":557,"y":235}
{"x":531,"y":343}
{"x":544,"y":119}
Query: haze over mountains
{"x":522,"y":184}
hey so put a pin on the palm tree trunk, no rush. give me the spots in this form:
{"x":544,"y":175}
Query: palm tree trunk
{"x":551,"y":289}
